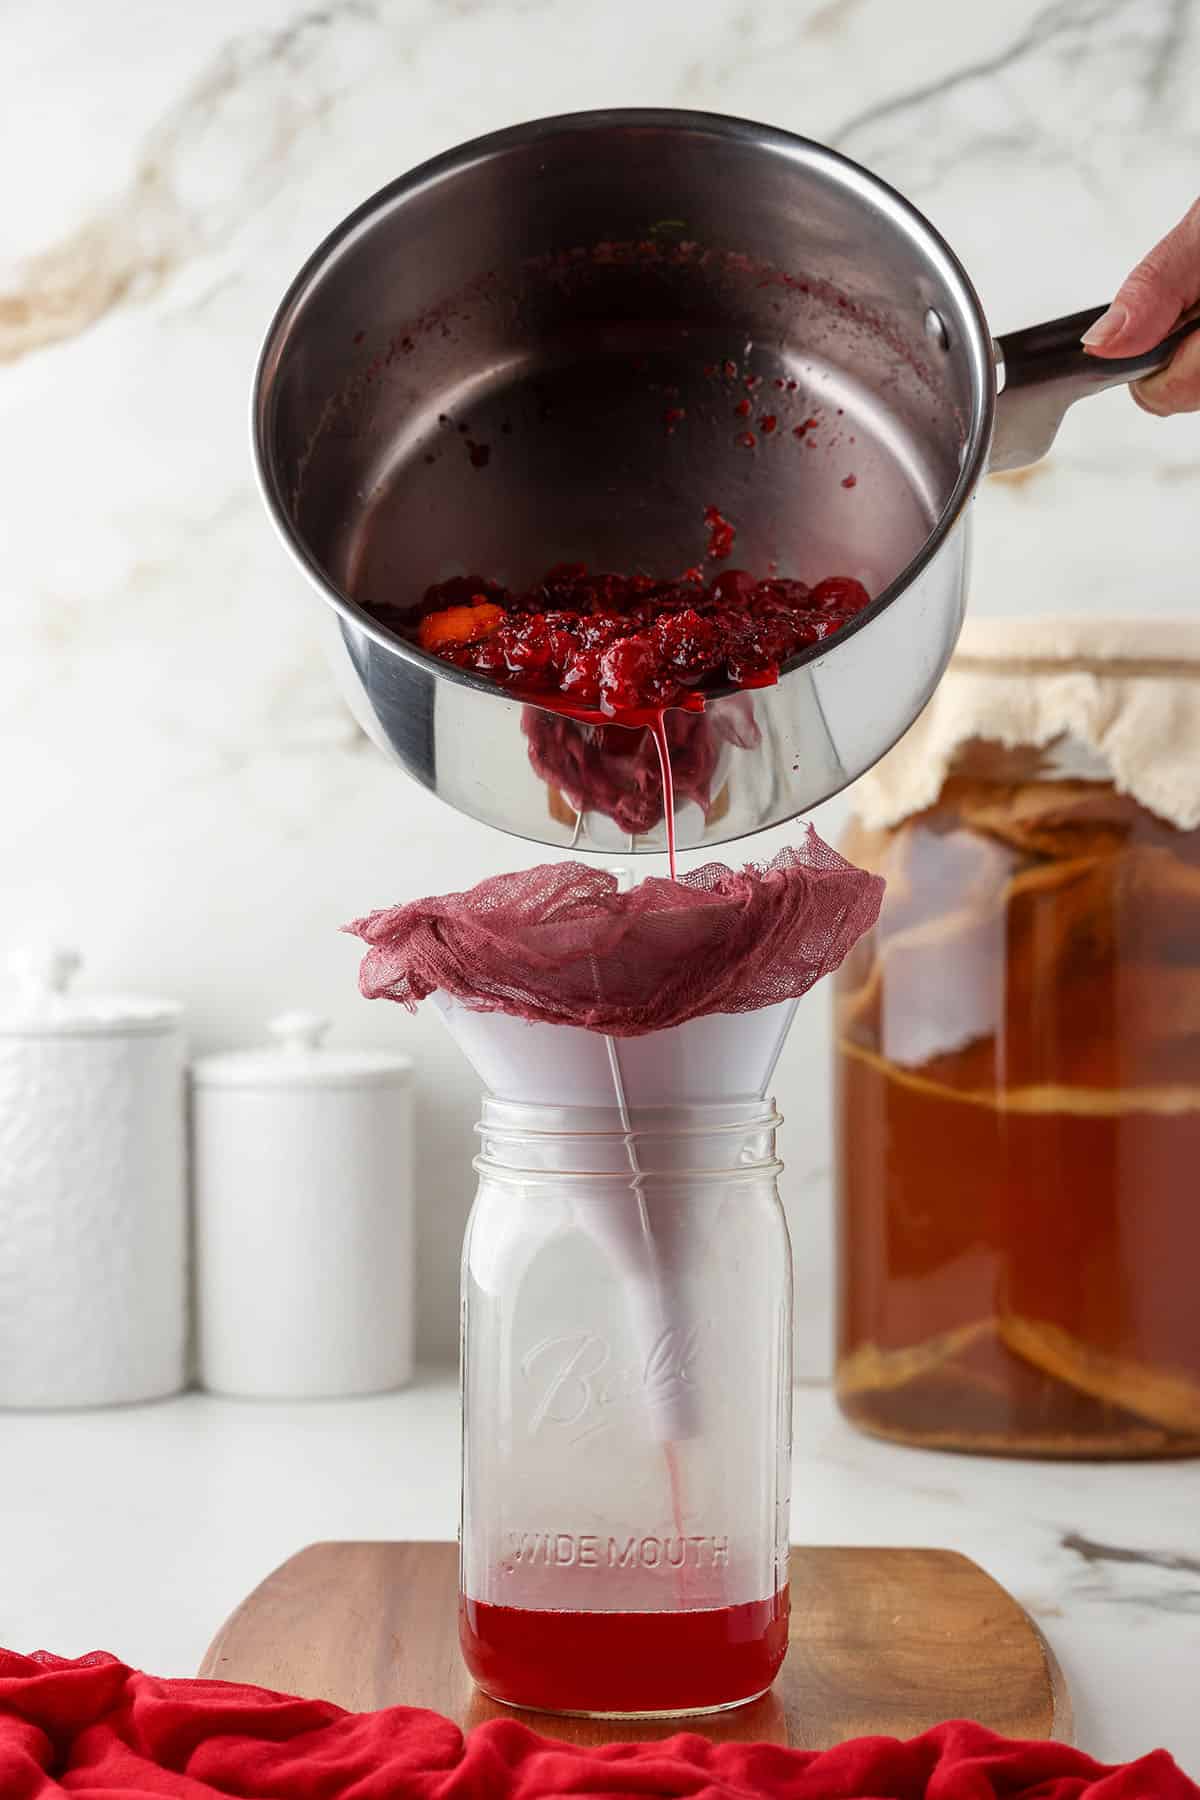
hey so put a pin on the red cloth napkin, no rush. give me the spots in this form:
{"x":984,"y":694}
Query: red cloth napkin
{"x":95,"y":1727}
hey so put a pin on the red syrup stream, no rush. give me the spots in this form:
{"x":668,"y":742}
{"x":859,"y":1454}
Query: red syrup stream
{"x":658,"y":730}
{"x":678,"y":1513}
{"x":653,"y":721}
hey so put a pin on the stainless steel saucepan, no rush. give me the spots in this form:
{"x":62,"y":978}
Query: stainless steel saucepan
{"x":534,"y":349}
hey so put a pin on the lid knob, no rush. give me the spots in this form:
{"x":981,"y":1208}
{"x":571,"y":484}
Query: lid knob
{"x":43,"y":971}
{"x":299,"y":1033}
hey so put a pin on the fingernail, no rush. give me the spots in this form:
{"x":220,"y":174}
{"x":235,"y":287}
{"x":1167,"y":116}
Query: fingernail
{"x":1108,"y":326}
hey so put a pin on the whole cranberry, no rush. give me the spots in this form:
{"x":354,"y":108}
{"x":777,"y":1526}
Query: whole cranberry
{"x":563,"y":648}
{"x":752,"y":668}
{"x":781,"y":594}
{"x":488,"y":656}
{"x":606,"y":593}
{"x":689,"y":644}
{"x":596,"y":630}
{"x":733,"y":586}
{"x":559,"y":587}
{"x":802,"y":629}
{"x":581,"y":678}
{"x":840,"y":593}
{"x":755,"y":647}
{"x":527,"y":646}
{"x":629,"y":675}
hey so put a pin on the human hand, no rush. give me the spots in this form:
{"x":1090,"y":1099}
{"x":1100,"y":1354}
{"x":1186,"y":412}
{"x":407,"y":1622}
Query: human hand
{"x":1164,"y":286}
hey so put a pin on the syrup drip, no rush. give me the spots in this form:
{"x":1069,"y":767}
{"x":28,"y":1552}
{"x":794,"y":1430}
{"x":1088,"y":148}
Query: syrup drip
{"x":657,"y":728}
{"x":652,"y":722}
{"x":678,"y":1514}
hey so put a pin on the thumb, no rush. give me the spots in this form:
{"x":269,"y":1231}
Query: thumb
{"x":1151,"y":299}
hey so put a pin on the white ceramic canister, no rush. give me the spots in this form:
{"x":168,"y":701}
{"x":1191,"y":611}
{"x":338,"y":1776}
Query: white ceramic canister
{"x":93,"y":1193}
{"x":304,"y":1217}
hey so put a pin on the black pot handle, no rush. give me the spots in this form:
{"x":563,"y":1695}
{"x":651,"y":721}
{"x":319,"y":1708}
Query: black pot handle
{"x":1044,"y":369}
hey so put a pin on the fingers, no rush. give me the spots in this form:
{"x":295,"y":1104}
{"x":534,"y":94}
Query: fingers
{"x":1151,"y":299}
{"x":1176,"y":388}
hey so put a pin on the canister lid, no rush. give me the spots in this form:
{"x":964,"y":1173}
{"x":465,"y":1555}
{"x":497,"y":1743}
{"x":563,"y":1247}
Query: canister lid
{"x":46,"y":1006}
{"x":298,"y":1059}
{"x":1124,"y":691}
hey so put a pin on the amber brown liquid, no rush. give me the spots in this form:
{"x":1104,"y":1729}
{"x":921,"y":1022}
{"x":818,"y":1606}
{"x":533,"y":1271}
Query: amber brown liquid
{"x":1019,"y":1131}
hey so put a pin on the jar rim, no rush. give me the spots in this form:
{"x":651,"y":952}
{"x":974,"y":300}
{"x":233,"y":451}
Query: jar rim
{"x":515,"y":1119}
{"x":627,"y":1180}
{"x":626,"y":1149}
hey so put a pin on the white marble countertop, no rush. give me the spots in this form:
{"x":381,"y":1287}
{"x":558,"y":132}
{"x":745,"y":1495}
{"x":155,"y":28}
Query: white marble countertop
{"x":138,"y":1530}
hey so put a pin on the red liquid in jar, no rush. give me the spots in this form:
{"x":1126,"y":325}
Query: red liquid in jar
{"x":624,"y":1662}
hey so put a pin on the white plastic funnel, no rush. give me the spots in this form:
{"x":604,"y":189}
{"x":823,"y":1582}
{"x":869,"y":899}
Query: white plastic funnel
{"x":723,"y":1056}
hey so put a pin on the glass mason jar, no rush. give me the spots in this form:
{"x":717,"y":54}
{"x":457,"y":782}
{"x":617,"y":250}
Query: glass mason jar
{"x":1018,"y":1119}
{"x":626,"y":1409}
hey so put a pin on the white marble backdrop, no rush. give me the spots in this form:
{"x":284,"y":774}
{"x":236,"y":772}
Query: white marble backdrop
{"x":183,"y":794}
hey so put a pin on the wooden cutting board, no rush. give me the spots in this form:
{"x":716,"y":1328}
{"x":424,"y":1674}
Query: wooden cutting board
{"x":885,"y":1641}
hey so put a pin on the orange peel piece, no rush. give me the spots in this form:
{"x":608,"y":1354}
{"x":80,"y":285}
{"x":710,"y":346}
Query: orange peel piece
{"x":459,"y":625}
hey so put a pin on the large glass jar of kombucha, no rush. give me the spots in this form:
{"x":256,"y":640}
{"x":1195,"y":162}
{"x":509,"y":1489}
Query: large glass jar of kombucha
{"x":1018,"y":1056}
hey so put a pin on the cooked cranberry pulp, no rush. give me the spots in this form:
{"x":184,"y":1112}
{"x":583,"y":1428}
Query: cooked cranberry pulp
{"x":618,"y":645}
